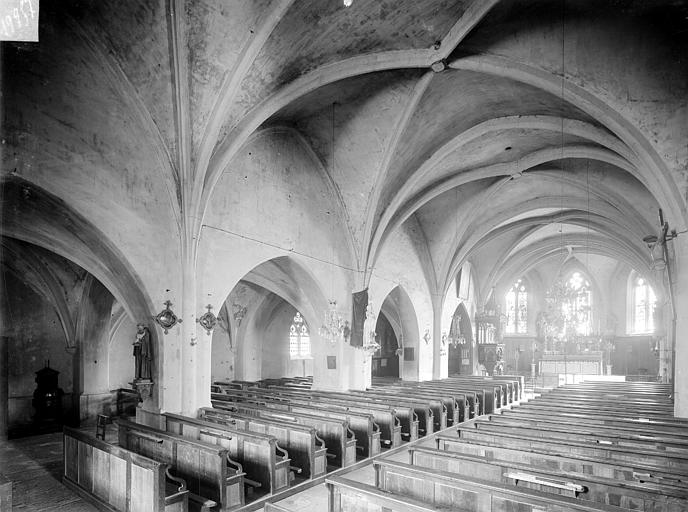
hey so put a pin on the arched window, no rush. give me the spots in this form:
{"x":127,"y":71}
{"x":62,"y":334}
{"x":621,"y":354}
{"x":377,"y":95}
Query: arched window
{"x":517,"y":309}
{"x":299,"y":339}
{"x":644,"y":303}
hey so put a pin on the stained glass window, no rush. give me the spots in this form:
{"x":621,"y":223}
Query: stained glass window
{"x":644,"y":304}
{"x":517,"y":309}
{"x":299,"y":339}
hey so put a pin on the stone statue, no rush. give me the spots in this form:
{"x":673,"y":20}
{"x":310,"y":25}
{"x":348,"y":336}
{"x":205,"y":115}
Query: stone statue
{"x":143,"y":353}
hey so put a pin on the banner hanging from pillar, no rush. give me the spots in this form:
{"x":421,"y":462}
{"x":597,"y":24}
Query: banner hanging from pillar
{"x":360,"y":304}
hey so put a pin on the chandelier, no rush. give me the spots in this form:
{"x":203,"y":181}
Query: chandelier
{"x":335,"y":328}
{"x":455,"y":337}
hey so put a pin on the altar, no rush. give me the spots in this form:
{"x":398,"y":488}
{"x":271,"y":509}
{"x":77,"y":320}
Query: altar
{"x":585,"y":363}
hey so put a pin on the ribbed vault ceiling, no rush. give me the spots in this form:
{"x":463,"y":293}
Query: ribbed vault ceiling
{"x":503,"y":166}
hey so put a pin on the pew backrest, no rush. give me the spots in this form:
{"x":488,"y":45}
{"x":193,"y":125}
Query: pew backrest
{"x":118,"y":479}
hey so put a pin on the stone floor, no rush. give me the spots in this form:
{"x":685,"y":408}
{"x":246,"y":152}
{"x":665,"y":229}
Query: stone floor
{"x":34,"y":464}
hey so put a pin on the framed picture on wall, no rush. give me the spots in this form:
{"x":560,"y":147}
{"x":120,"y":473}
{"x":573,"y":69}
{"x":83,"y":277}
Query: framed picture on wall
{"x":331,"y":362}
{"x":409,"y":354}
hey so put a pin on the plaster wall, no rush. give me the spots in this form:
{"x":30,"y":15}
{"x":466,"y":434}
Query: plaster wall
{"x":121,"y":358}
{"x":275,"y":347}
{"x":223,"y":356}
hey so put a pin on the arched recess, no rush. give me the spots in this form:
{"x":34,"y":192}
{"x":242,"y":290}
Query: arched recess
{"x":398,"y":309}
{"x":460,"y":354}
{"x":253,"y":342}
{"x":385,"y":362}
{"x":72,"y":321}
{"x":32,"y":215}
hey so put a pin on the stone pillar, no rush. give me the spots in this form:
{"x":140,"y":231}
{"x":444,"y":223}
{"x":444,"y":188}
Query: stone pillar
{"x":192,"y":387}
{"x":77,"y":387}
{"x":93,"y":339}
{"x":678,"y":345}
{"x":437,"y":342}
{"x":4,"y":384}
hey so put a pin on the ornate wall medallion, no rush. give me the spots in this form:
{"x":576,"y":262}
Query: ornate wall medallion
{"x":166,"y":318}
{"x":208,"y":320}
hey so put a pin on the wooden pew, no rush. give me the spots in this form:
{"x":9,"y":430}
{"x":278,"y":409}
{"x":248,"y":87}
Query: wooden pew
{"x":339,"y":438}
{"x":569,"y":462}
{"x":490,"y":393}
{"x":627,"y":438}
{"x":585,"y":420}
{"x":650,"y":463}
{"x":474,"y":399}
{"x":588,"y":448}
{"x":127,"y":400}
{"x":366,"y":431}
{"x":606,"y":405}
{"x":266,"y":464}
{"x":114,"y":478}
{"x":630,"y":495}
{"x":422,"y":410}
{"x":507,"y":388}
{"x":386,"y":416}
{"x":207,"y":468}
{"x":403,"y":421}
{"x":349,"y":496}
{"x":469,"y":494}
{"x":439,"y":405}
{"x":607,"y":415}
{"x":456,"y":404}
{"x":306,"y":449}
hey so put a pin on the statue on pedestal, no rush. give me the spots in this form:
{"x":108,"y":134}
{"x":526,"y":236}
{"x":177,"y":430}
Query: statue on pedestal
{"x":143,"y":354}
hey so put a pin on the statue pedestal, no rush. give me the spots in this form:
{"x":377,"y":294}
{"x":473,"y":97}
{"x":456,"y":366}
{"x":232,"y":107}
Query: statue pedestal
{"x":144,"y":387}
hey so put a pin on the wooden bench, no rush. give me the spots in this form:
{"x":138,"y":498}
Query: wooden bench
{"x":631,"y":495}
{"x":127,"y":400}
{"x":207,"y":468}
{"x":586,"y":448}
{"x":608,"y":406}
{"x":473,"y":406}
{"x":506,"y":391}
{"x":385,"y":416}
{"x":366,"y":431}
{"x":114,"y":478}
{"x":456,"y":404}
{"x":542,"y":454}
{"x":490,"y":393}
{"x":349,"y":496}
{"x":438,"y":405}
{"x":261,"y":457}
{"x":395,"y":420}
{"x":469,"y":494}
{"x":584,"y":420}
{"x":639,"y":417}
{"x":339,"y":439}
{"x":423,"y":411}
{"x":306,"y":449}
{"x":604,"y":435}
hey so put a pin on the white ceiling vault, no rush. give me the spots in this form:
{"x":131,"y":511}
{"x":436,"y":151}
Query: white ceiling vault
{"x":503,"y":129}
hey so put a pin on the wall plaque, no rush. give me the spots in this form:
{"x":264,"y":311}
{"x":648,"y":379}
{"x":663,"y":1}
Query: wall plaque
{"x":331,"y":362}
{"x":409,"y":354}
